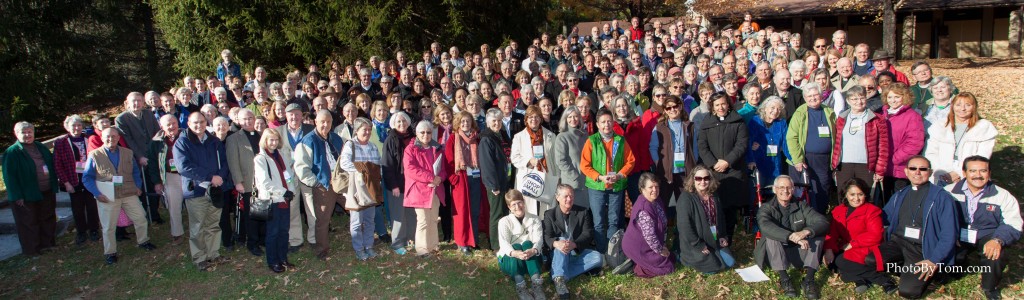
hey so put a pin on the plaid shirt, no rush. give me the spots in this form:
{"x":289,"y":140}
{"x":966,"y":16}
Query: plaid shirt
{"x":64,"y":160}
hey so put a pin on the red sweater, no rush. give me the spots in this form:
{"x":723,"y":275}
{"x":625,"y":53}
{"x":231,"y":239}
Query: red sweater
{"x":877,"y":135}
{"x":862,"y":229}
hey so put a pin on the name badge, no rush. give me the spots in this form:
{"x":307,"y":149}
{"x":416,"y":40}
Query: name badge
{"x":968,"y":235}
{"x":680,"y":160}
{"x":79,"y":167}
{"x":714,"y":231}
{"x":46,"y":170}
{"x":773,"y":150}
{"x":473,"y":172}
{"x":912,"y":233}
{"x":538,"y":152}
{"x":857,"y":125}
{"x":823,"y":131}
{"x":287,"y":176}
{"x":170,"y":164}
{"x":118,"y":180}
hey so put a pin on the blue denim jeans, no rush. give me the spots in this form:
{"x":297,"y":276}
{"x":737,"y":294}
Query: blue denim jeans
{"x":361,"y":227}
{"x":570,"y":266}
{"x":606,"y":207}
{"x":277,"y":235}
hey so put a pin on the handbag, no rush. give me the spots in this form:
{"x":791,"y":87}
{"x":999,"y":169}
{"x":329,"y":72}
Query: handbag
{"x":363,"y":190}
{"x":339,"y":178}
{"x":534,"y":185}
{"x":259,"y":209}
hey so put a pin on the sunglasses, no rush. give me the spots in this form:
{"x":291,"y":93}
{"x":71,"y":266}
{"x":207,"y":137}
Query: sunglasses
{"x":322,"y":87}
{"x":702,"y":178}
{"x":922,"y":169}
{"x":819,"y":46}
{"x":672,"y":107}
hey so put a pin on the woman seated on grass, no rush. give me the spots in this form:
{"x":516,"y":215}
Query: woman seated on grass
{"x":521,"y":237}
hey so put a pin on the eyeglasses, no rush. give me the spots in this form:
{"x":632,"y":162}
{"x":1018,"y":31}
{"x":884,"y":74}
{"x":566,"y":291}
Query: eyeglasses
{"x":672,"y":107}
{"x":659,"y":95}
{"x":322,"y":87}
{"x":915,"y":169}
{"x":869,"y":87}
{"x":737,"y":35}
{"x":819,"y":46}
{"x":702,"y":178}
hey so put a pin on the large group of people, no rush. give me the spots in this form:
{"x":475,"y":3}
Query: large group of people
{"x":656,"y":142}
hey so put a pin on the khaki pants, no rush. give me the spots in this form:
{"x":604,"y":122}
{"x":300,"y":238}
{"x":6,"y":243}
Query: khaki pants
{"x":173,"y":195}
{"x":204,"y":229}
{"x":324,"y":201}
{"x":108,"y":220}
{"x":303,"y":199}
{"x":426,"y":228}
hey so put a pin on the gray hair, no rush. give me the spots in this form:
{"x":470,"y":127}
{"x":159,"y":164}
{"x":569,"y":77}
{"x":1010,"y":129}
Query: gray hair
{"x":632,"y":79}
{"x":536,"y":79}
{"x":275,"y":86}
{"x":424,"y":125}
{"x":494,"y":114}
{"x":220,"y":119}
{"x":220,"y":90}
{"x":365,"y":71}
{"x":943,"y":79}
{"x":807,"y":87}
{"x":71,"y":120}
{"x":797,"y":64}
{"x":748,"y":87}
{"x":208,"y":107}
{"x":854,"y":90}
{"x":563,"y":125}
{"x":360,"y":122}
{"x":762,"y":109}
{"x":563,"y":189}
{"x":398,"y":115}
{"x":473,"y":86}
{"x":782,"y":177}
{"x":319,"y":114}
{"x":23,"y":125}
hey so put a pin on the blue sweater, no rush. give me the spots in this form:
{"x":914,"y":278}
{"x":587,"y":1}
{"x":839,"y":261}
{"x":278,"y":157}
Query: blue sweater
{"x":769,"y":167}
{"x":941,"y":226}
{"x":198,"y":161}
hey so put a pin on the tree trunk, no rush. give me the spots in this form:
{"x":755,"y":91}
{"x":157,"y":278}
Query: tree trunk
{"x":888,"y":26}
{"x":145,"y":14}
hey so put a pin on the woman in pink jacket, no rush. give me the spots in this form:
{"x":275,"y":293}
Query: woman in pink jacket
{"x":906,"y":135}
{"x":424,"y":173}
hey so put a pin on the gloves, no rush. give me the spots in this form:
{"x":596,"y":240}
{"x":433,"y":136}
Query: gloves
{"x":288,"y":196}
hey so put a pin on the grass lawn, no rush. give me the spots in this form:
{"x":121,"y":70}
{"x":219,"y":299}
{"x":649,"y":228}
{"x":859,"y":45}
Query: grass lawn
{"x":73,"y":272}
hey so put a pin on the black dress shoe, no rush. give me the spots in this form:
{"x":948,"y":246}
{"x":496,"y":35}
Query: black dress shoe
{"x":111,"y":258}
{"x":148,"y":246}
{"x":80,"y":239}
{"x":288,"y":264}
{"x":293,"y":249}
{"x":256,"y":251}
{"x":94,"y":236}
{"x":277,"y":268}
{"x":993,"y":295}
{"x":788,"y":289}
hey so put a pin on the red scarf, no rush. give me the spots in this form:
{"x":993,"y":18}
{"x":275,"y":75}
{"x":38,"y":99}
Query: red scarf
{"x":537,"y":139}
{"x":464,"y":144}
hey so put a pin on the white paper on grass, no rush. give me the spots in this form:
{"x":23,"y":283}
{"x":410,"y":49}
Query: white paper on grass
{"x":106,"y":188}
{"x":752,"y":274}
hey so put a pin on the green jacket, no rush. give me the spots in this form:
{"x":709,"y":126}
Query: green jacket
{"x":19,"y":173}
{"x":796,"y":136}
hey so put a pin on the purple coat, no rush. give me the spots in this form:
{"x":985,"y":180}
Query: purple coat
{"x":419,"y":173}
{"x":645,"y":234}
{"x":906,"y":137}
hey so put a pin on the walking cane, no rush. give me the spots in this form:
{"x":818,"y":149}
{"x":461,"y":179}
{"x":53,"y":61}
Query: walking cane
{"x":145,"y":195}
{"x":807,"y":187}
{"x":238,"y":217}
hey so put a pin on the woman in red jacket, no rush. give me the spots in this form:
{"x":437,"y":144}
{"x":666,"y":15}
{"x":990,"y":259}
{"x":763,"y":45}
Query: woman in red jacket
{"x":628,"y":125}
{"x":854,"y":235}
{"x":861,"y":149}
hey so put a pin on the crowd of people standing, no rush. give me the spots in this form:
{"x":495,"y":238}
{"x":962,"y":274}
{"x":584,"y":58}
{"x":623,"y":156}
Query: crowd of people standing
{"x":553,"y":156}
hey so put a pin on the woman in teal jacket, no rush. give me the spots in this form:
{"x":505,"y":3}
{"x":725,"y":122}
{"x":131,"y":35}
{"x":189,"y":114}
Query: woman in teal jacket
{"x":31,"y":188}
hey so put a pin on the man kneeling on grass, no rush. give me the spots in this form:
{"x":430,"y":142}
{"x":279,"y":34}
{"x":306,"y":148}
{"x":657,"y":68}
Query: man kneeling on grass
{"x":793,"y":234}
{"x":569,"y":232}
